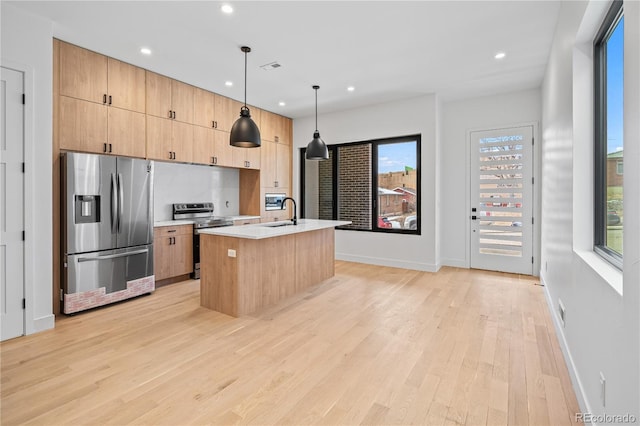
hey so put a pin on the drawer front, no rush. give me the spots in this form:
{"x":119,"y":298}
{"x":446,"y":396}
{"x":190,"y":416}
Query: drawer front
{"x":172,"y":231}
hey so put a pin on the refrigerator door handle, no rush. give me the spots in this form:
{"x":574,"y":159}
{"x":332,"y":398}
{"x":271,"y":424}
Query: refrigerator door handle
{"x":113,"y":256}
{"x":120,"y":199}
{"x":114,"y":205}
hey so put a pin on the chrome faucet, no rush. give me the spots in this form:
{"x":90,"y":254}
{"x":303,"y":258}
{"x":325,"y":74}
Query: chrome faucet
{"x":294,"y":219}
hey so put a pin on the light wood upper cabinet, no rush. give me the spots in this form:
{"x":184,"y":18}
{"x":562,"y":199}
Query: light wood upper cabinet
{"x":83,"y":125}
{"x":246,"y":158}
{"x":227,"y":112}
{"x":275,"y":165}
{"x":182,"y":101}
{"x":275,"y":128}
{"x":126,"y":86}
{"x":211,"y":147}
{"x":169,"y":98}
{"x":126,"y":132}
{"x":169,"y":140}
{"x":204,"y":108}
{"x":83,"y":74}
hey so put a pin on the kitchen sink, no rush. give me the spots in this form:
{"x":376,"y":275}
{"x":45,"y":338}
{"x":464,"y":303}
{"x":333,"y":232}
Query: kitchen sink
{"x":278,"y":224}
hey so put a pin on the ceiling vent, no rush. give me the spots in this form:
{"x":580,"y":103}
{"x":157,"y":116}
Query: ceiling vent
{"x":270,"y":66}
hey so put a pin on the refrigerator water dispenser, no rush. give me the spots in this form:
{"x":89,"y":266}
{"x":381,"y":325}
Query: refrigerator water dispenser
{"x":87,"y":208}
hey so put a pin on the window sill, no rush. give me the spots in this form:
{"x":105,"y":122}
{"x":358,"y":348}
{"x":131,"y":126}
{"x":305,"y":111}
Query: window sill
{"x":609,"y":273}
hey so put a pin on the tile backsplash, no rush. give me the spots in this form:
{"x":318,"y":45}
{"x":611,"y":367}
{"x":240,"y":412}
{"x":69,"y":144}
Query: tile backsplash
{"x":189,"y":183}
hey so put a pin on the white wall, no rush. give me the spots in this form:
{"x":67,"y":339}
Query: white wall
{"x":188,"y":183}
{"x":27,"y":45}
{"x":407,"y":117}
{"x":602,"y":327}
{"x":459,"y":117}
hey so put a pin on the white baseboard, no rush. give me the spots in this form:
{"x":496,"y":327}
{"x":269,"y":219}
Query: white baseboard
{"x":581,"y":395}
{"x":394,"y":263}
{"x":46,"y":322}
{"x":456,"y":263}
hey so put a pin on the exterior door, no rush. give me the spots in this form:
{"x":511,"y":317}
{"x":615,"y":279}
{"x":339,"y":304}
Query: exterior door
{"x":11,"y":203}
{"x":502,"y":200}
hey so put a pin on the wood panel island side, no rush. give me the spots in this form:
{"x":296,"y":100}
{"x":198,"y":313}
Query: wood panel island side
{"x":245,"y":268}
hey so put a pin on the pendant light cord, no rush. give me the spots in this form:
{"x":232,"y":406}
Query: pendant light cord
{"x":316,"y":109}
{"x":245,"y":79}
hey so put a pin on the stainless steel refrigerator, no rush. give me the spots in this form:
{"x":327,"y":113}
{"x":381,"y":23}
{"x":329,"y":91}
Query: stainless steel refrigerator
{"x":107,"y":230}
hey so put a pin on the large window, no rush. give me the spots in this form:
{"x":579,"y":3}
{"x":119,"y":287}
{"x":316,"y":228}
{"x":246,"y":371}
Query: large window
{"x":374,"y":184}
{"x":609,"y":143}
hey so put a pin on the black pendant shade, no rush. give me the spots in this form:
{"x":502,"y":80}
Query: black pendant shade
{"x":245,"y":133}
{"x":317,"y":149}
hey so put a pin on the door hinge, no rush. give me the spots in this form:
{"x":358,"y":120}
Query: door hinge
{"x":24,"y":303}
{"x":24,"y":99}
{"x":533,"y":141}
{"x":23,"y":236}
{"x":531,"y":259}
{"x":23,"y":166}
{"x":532,"y":221}
{"x":532,"y":181}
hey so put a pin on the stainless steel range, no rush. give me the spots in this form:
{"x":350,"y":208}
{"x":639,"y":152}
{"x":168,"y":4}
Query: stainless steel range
{"x":203,"y":218}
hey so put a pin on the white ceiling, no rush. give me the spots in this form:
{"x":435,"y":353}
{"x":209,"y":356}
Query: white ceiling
{"x":388,"y":50}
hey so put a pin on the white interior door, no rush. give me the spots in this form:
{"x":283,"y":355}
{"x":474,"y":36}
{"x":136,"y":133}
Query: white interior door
{"x":12,"y":203}
{"x":502,"y":200}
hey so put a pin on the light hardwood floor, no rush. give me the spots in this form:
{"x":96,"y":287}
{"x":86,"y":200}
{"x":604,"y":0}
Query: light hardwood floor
{"x":373,"y":345}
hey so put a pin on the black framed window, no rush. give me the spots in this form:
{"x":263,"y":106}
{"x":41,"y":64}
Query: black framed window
{"x":609,"y":142}
{"x":374,"y":184}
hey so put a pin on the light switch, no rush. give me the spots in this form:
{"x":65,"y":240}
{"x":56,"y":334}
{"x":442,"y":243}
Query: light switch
{"x":231,"y":253}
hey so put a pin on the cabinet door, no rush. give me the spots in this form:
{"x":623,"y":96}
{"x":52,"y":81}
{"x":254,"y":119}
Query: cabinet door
{"x":253,"y":158}
{"x":283,"y":165}
{"x":158,"y":95}
{"x":126,"y":86}
{"x":182,"y":256}
{"x":268,"y":126}
{"x":238,"y":157}
{"x":268,"y":175}
{"x":227,"y":112}
{"x":159,"y":145}
{"x":182,"y":101}
{"x":203,"y":145}
{"x":182,"y":141}
{"x":161,"y":254}
{"x":83,"y":125}
{"x":203,"y":108}
{"x":126,"y":132}
{"x":221,"y":148}
{"x":284,"y":135}
{"x":83,"y":73}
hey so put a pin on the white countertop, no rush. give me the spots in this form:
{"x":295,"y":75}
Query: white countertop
{"x":267,"y":230}
{"x":190,"y":222}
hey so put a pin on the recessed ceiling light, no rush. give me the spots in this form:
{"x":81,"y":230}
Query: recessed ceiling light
{"x":282,"y":103}
{"x":500,"y":55}
{"x":226,"y":8}
{"x":228,"y":83}
{"x":145,"y":51}
{"x":351,"y":88}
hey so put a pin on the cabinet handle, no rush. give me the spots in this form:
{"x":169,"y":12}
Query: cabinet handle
{"x":104,"y":98}
{"x":275,"y":183}
{"x":109,"y":99}
{"x":172,"y":230}
{"x":174,"y":115}
{"x":109,"y":147}
{"x":213,"y":124}
{"x":173,"y":155}
{"x":277,"y":138}
{"x":170,"y":114}
{"x":104,"y":147}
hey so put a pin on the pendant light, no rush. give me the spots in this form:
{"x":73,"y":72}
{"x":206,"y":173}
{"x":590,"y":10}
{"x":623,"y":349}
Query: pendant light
{"x":317,"y":150}
{"x":245,"y":133}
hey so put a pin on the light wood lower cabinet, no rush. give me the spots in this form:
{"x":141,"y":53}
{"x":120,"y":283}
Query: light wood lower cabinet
{"x":240,"y":222}
{"x":172,"y":251}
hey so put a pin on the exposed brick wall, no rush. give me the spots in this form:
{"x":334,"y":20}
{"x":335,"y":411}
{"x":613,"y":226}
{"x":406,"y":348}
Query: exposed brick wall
{"x":354,"y":177}
{"x":393,"y":180}
{"x":325,"y":185}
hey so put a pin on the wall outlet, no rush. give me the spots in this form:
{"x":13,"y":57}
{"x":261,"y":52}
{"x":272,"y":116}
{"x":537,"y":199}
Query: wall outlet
{"x":231,"y":253}
{"x":561,"y":312}
{"x":603,"y":388}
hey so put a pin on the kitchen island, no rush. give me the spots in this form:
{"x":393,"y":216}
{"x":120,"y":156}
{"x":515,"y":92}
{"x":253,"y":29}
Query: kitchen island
{"x":245,"y":268}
